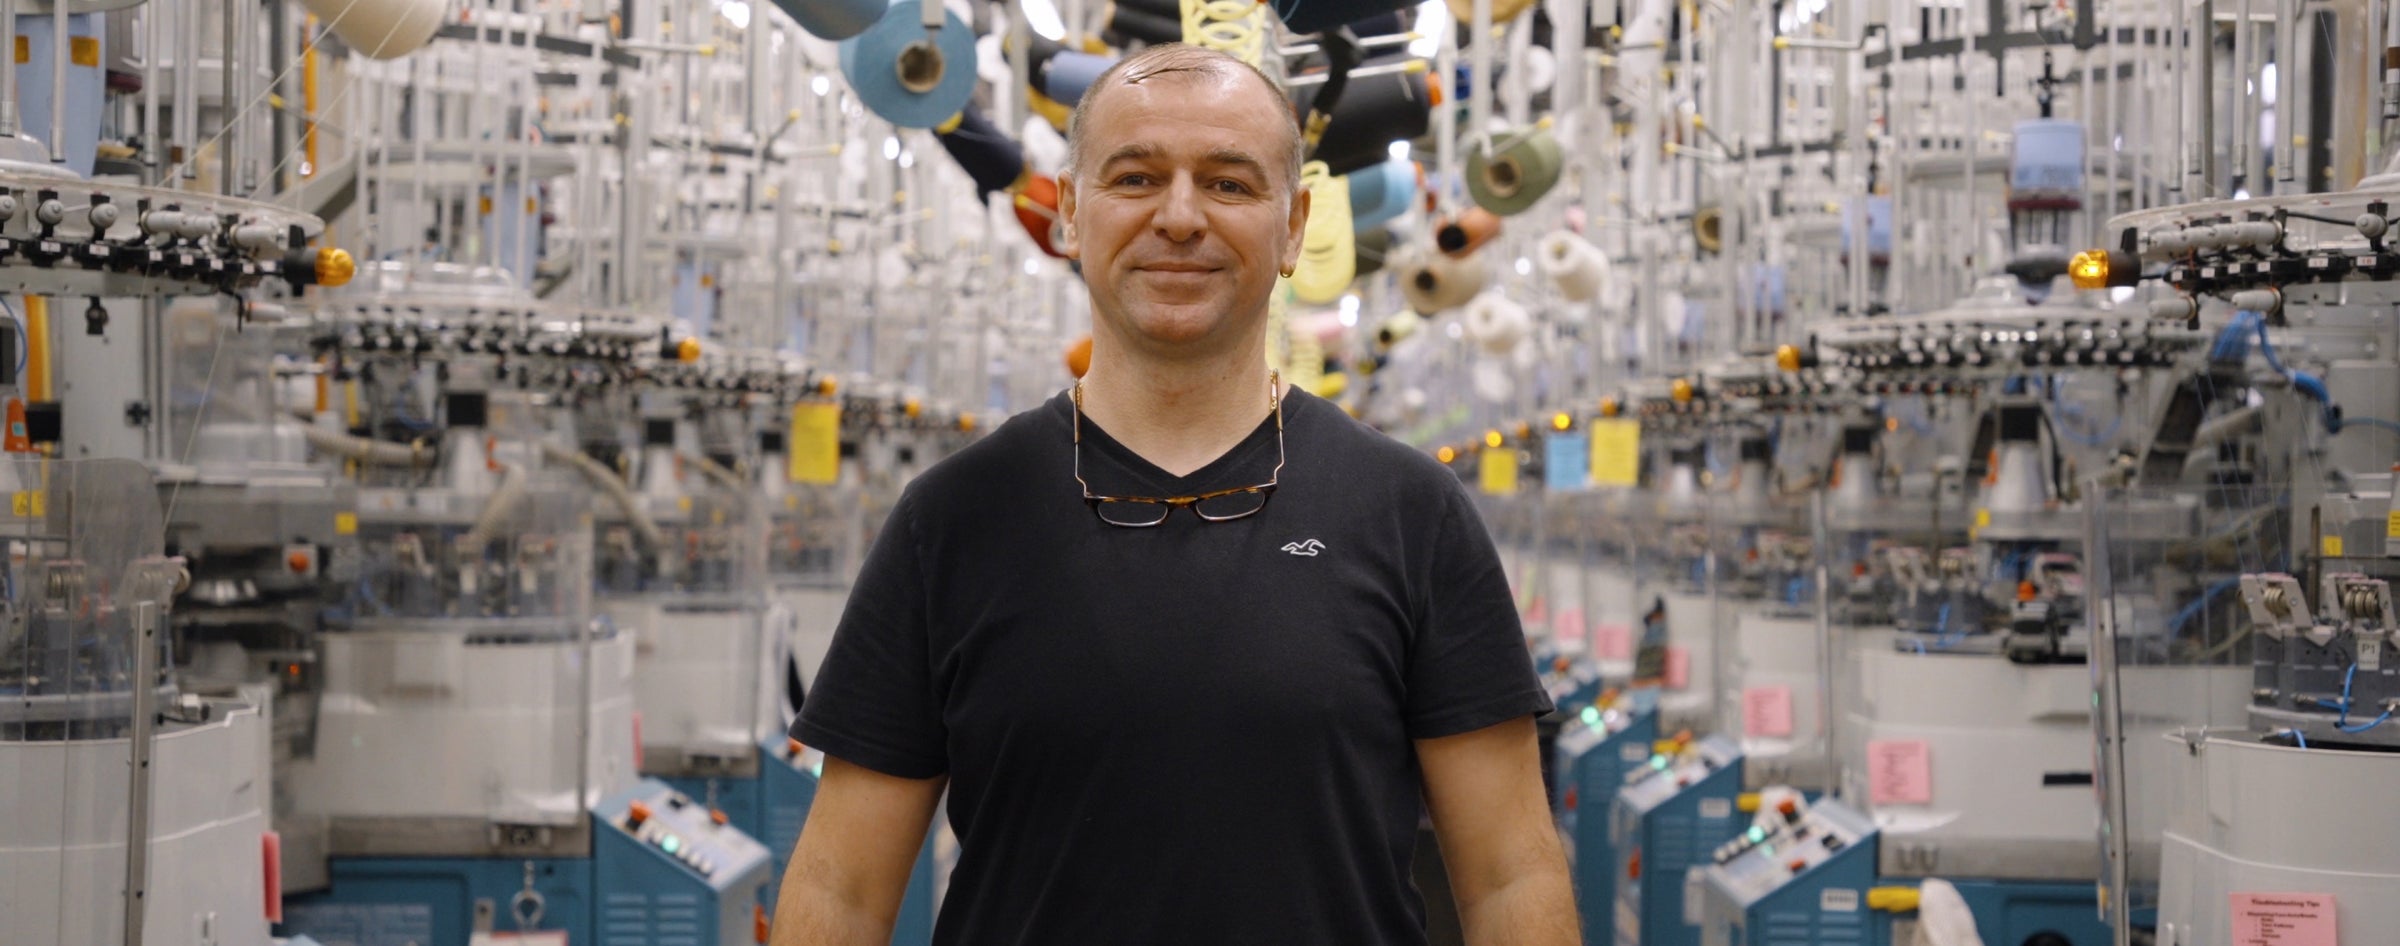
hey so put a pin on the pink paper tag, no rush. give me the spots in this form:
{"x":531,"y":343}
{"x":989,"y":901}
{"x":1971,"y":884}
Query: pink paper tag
{"x":1767,"y":712}
{"x":1568,"y":626}
{"x":2283,"y":919}
{"x":1613,"y":641}
{"x":1900,"y":772}
{"x":1679,"y":667}
{"x":1538,"y":613}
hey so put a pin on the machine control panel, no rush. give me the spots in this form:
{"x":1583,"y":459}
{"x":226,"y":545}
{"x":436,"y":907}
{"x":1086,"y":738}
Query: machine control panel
{"x":1673,"y":767}
{"x":1786,"y":842}
{"x":684,"y":831}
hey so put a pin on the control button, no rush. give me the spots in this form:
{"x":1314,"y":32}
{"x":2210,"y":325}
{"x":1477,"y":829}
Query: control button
{"x":1798,"y":864}
{"x":716,"y":816}
{"x":636,"y":814}
{"x":1834,"y":842}
{"x":676,"y":802}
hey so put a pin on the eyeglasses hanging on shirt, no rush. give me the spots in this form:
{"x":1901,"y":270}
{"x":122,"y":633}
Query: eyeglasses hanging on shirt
{"x":1224,"y":505}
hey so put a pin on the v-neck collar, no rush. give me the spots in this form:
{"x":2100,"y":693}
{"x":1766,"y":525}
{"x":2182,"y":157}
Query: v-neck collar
{"x":1234,"y":464}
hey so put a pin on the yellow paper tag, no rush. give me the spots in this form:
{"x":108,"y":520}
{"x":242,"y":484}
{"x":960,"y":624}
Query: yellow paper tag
{"x":815,"y":443}
{"x":345,"y":523}
{"x":29,"y":504}
{"x":2333,"y":546}
{"x":1499,"y":472}
{"x":1616,"y":452}
{"x":2391,"y":525}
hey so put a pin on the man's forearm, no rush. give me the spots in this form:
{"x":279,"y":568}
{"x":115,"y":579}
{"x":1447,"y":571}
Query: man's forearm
{"x":1536,"y":909}
{"x":807,"y":916}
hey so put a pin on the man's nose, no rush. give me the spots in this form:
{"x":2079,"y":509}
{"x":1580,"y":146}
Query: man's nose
{"x":1180,"y":216}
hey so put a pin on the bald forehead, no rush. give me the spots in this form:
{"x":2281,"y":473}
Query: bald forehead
{"x":1189,"y":66}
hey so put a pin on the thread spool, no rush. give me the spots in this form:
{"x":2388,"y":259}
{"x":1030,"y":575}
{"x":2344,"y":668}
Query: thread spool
{"x":1435,"y":283}
{"x":1502,"y":10}
{"x":1577,"y":268}
{"x":1070,"y":73}
{"x":2045,"y":166}
{"x":1037,"y":212}
{"x":1328,"y":254}
{"x":1708,"y":229}
{"x":1312,"y":16}
{"x":1496,"y":323}
{"x":1396,"y":328}
{"x":1128,"y":23}
{"x":992,"y":160}
{"x":1375,"y":111}
{"x":389,"y":29}
{"x":1078,"y":357}
{"x":1048,"y":109}
{"x":1462,"y":235}
{"x":908,"y":75}
{"x":1380,"y":193}
{"x":1517,"y":174}
{"x":1878,"y":214}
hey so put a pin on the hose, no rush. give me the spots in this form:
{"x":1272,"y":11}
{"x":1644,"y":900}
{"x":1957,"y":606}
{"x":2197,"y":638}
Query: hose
{"x":503,"y":502}
{"x":729,"y":479}
{"x":370,"y":452}
{"x":609,"y":482}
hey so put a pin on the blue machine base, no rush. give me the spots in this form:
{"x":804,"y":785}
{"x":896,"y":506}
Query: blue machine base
{"x":2033,"y":913}
{"x":1587,"y":788}
{"x":399,"y":901}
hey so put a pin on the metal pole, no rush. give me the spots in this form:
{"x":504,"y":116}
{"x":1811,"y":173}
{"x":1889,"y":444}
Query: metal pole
{"x":1827,"y":666}
{"x":228,"y":104}
{"x":58,"y":81}
{"x":140,"y":736}
{"x":2108,"y":721}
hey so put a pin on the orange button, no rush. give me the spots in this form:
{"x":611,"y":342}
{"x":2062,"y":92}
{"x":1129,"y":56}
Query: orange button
{"x":299,"y":562}
{"x":758,"y":922}
{"x":1788,"y":806}
{"x":636,"y":813}
{"x":1633,"y":866}
{"x":1797,"y":865}
{"x":792,"y":747}
{"x":717,"y":815}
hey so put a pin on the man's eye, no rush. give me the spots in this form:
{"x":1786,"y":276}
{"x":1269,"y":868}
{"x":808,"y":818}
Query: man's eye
{"x":1132,"y":180}
{"x":1228,"y":186}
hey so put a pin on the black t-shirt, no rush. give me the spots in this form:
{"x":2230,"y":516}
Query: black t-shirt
{"x":1193,"y":733}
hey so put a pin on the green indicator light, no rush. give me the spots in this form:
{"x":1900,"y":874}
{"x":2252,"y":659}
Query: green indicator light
{"x":1591,"y":716}
{"x":670,"y":844}
{"x":1658,"y":762}
{"x":1767,"y":849}
{"x":1757,"y":834}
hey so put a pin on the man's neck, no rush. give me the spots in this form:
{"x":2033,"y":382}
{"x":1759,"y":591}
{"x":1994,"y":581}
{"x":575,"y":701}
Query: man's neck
{"x":1179,"y":415}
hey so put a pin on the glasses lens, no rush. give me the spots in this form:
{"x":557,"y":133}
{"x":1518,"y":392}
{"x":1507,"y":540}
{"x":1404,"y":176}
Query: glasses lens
{"x":1231,"y":505}
{"x":1133,"y":515}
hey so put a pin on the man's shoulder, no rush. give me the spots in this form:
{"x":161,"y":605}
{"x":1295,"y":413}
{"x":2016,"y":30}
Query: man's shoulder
{"x":1357,"y":450}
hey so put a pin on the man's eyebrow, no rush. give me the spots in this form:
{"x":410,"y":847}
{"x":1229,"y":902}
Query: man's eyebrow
{"x":1132,"y":152}
{"x":1235,"y":157}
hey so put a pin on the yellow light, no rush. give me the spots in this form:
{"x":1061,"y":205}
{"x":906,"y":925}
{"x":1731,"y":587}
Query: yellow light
{"x":911,"y":408}
{"x":1524,"y":431}
{"x":335,"y":267}
{"x":688,"y":350}
{"x":827,"y":386}
{"x":1446,"y":454}
{"x":1681,"y":390}
{"x":1787,"y":357}
{"x":1891,"y":424}
{"x":1560,"y":421}
{"x":2089,"y":269}
{"x":1610,"y":408}
{"x":1492,"y":438}
{"x":966,"y":423}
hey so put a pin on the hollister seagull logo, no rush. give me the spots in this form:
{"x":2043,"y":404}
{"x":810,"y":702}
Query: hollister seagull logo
{"x":1309,"y":548}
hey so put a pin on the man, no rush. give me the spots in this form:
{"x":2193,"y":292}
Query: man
{"x":1162,"y":727}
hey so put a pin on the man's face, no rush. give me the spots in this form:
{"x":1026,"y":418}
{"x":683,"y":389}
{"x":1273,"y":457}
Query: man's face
{"x":1180,"y":209}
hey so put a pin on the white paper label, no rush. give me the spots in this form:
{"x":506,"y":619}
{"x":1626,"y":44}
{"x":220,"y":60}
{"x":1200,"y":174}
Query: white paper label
{"x":1716,"y":808}
{"x":1634,"y":752}
{"x":1838,"y":900}
{"x":2370,"y":654}
{"x":1695,"y":903}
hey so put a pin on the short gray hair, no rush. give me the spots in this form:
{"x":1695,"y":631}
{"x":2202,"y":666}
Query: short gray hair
{"x":1179,"y":57}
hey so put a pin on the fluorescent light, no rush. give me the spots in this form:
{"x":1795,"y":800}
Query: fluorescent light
{"x":1399,"y":150}
{"x":891,"y":149}
{"x":1043,"y":17}
{"x":1433,"y":19}
{"x":736,"y":12}
{"x":820,"y":85}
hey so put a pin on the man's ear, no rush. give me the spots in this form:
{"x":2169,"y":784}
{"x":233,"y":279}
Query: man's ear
{"x":1298,"y":227}
{"x":1070,"y":244}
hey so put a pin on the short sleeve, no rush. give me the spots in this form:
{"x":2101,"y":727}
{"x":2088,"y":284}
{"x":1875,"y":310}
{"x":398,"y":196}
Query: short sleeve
{"x":873,"y":704}
{"x":1469,"y":668}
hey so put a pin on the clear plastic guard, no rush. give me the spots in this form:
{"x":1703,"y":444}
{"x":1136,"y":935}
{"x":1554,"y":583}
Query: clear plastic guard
{"x":85,"y":664}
